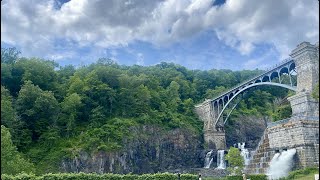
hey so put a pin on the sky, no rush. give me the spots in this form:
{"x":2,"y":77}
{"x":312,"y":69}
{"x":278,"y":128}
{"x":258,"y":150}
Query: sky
{"x":198,"y":34}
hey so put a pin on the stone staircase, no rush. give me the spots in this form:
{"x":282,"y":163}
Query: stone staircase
{"x":261,"y":158}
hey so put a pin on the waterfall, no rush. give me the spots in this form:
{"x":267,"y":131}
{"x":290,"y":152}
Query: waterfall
{"x":221,"y":164}
{"x":281,"y":164}
{"x":241,"y":145}
{"x":208,"y":160}
{"x":244,"y":153}
{"x":246,"y":156}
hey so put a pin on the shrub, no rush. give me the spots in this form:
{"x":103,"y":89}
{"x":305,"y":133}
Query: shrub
{"x":306,"y":171}
{"x":257,"y":177}
{"x":93,"y":176}
{"x":251,"y":177}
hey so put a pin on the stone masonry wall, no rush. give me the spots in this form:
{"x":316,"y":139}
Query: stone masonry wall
{"x":299,"y":133}
{"x":308,"y":156}
{"x":303,"y":135}
{"x":293,"y":134}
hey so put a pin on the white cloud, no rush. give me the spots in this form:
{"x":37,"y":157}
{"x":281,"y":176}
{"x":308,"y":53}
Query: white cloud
{"x":283,"y":24}
{"x":240,"y":24}
{"x":261,"y":61}
{"x":140,"y":59}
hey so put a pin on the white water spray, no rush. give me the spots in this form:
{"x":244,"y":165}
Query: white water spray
{"x":208,"y":160}
{"x":281,"y":164}
{"x":220,"y":160}
{"x":244,"y":153}
{"x":246,"y":156}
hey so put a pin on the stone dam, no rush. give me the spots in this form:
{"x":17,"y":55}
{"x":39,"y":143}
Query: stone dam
{"x":300,"y":133}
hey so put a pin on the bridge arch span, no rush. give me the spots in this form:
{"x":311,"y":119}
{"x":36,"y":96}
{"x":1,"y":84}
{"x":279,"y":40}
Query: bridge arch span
{"x":293,"y":88}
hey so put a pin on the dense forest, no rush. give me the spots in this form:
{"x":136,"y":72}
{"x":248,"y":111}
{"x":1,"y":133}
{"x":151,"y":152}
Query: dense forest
{"x":49,"y":112}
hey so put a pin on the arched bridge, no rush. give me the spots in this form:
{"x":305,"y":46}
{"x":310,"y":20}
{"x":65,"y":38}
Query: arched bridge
{"x":273,"y":77}
{"x":296,"y":73}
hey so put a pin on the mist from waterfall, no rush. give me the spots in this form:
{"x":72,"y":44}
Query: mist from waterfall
{"x":208,"y":159}
{"x":281,"y":164}
{"x":221,"y":163}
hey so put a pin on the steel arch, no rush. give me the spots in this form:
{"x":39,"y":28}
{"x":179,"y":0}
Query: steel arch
{"x":248,"y":87}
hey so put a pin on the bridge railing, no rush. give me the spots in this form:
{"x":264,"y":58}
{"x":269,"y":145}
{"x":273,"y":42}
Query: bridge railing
{"x":253,"y":78}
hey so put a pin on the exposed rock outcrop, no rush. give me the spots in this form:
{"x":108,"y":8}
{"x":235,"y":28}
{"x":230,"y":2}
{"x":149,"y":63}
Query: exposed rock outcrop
{"x":152,"y":149}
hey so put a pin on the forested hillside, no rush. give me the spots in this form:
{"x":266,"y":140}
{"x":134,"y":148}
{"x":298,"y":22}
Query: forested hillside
{"x":54,"y":113}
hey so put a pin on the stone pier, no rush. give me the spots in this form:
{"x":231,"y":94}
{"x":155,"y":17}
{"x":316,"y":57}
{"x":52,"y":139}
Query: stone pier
{"x":214,"y":137}
{"x":306,"y":57}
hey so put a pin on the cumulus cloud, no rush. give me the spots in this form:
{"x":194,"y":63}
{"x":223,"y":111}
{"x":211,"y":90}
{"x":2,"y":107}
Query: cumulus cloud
{"x":241,"y":24}
{"x":281,"y":23}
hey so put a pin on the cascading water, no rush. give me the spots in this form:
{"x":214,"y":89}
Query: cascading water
{"x":208,"y":160}
{"x":244,"y":153}
{"x":281,"y":164}
{"x":246,"y":156}
{"x":221,"y":164}
{"x":241,"y":145}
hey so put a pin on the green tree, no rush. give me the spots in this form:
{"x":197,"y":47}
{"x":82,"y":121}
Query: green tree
{"x":173,"y":96}
{"x":212,"y":93}
{"x":9,"y":56}
{"x":8,"y":114}
{"x":142,"y":96}
{"x":97,"y":117}
{"x":235,"y":160}
{"x":11,"y":160}
{"x":69,"y":108}
{"x":37,"y":108}
{"x":20,"y":134}
{"x":40,"y":72}
{"x":76,"y":85}
{"x":315,"y":92}
{"x":282,"y":112}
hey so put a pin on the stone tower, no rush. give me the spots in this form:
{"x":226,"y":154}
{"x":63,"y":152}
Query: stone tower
{"x":306,"y":58}
{"x":213,"y":137}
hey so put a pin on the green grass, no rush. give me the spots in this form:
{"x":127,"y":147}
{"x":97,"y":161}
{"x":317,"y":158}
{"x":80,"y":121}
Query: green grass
{"x":305,"y":177}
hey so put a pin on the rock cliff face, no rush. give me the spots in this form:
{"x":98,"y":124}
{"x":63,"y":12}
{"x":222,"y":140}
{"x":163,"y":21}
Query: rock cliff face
{"x":152,"y":150}
{"x":248,"y":129}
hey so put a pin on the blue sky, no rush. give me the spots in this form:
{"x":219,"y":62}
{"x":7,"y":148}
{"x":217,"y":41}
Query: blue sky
{"x":198,"y":34}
